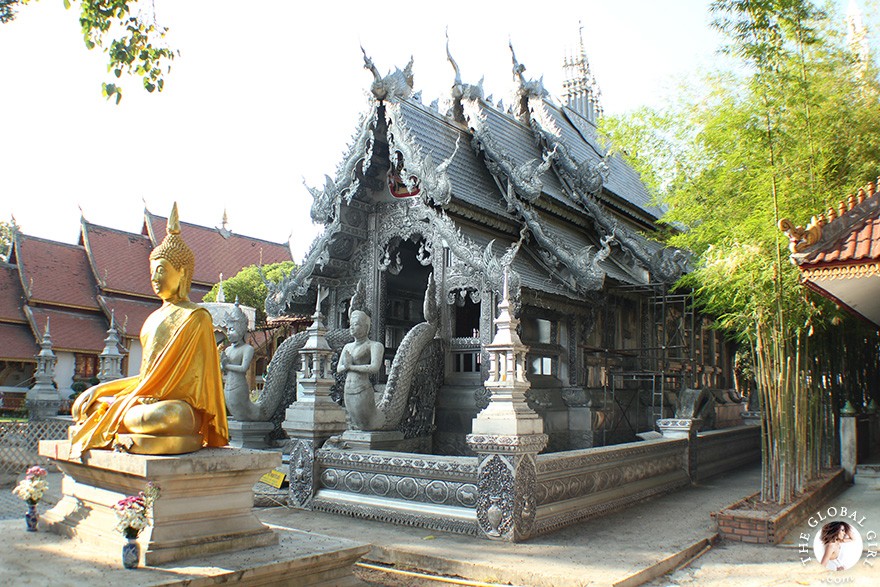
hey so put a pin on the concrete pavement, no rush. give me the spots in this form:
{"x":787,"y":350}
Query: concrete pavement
{"x":627,"y":548}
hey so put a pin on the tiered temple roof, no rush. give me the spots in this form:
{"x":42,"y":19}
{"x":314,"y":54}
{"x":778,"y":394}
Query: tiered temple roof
{"x":54,"y":273}
{"x":59,"y":285}
{"x":119,"y":260}
{"x":78,"y":287}
{"x":533,"y":178}
{"x":217,"y":250}
{"x":18,"y":341}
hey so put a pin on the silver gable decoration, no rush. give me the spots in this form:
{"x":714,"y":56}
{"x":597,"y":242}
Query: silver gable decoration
{"x":433,"y":180}
{"x":585,"y":181}
{"x":397,"y":85}
{"x":523,"y":183}
{"x":525,"y":88}
{"x":461,"y":90}
{"x":326,"y":210}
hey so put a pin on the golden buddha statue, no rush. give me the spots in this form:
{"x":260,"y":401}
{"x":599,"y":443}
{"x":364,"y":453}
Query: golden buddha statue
{"x":175,"y":405}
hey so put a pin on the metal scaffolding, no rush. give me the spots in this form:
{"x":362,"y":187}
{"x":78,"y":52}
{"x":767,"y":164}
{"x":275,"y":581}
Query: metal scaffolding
{"x":664,"y":362}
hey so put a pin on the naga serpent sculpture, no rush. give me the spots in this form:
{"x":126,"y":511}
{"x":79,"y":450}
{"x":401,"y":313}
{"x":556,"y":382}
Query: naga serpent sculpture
{"x":281,"y":373}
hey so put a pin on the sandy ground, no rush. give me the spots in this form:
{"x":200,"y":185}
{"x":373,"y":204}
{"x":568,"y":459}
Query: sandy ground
{"x":738,"y":564}
{"x":598,"y":552}
{"x":746,"y":565}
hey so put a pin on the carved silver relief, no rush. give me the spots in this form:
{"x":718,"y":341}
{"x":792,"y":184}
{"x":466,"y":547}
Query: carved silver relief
{"x":525,"y":506}
{"x":397,"y":85}
{"x":495,"y":504}
{"x":523,"y":187}
{"x":409,"y":488}
{"x":417,"y":170}
{"x":419,"y":416}
{"x":471,"y":269}
{"x":302,"y":462}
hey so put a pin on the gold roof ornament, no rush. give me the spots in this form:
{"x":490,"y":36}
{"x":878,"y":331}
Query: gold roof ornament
{"x":799,"y":237}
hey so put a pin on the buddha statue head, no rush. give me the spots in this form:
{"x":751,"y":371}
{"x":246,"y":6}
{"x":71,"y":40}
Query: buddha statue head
{"x":172,"y":264}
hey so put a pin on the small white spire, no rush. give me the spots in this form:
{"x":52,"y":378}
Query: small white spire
{"x":221,"y":294}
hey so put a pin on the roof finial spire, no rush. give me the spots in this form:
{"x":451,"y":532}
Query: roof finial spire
{"x":580,"y":89}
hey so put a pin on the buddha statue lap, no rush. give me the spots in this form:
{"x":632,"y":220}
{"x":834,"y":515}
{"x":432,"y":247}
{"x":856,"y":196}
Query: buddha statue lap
{"x":175,"y":404}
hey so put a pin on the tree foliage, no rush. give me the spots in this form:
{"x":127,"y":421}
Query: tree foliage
{"x":788,"y":133}
{"x":247,"y":286}
{"x":7,"y":231}
{"x":127,"y":31}
{"x":7,"y":10}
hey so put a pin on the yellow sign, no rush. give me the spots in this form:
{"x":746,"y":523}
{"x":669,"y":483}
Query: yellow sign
{"x":274,"y":478}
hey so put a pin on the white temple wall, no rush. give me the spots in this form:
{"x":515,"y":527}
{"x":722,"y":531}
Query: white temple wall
{"x":64,"y":371}
{"x":135,"y":354}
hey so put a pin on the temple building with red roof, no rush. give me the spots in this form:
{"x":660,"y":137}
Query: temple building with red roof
{"x":838,"y":253}
{"x":77,"y":288}
{"x":18,"y":348}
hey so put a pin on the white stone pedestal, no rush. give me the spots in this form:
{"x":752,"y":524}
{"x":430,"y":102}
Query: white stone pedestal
{"x":205,"y":505}
{"x":249,"y":434}
{"x":373,"y":440}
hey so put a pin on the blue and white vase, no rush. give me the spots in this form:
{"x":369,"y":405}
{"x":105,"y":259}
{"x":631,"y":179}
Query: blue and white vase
{"x":31,"y":517}
{"x":131,"y":553}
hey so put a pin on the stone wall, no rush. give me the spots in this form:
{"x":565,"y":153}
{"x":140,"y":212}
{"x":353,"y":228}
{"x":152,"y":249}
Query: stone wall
{"x":442,"y":492}
{"x":436,"y":492}
{"x":586,"y":483}
{"x":720,"y":451}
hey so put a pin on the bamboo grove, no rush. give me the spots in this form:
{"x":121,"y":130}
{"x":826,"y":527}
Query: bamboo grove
{"x":788,"y":124}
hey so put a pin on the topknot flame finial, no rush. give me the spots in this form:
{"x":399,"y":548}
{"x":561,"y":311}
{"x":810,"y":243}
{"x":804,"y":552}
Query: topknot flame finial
{"x":173,"y":226}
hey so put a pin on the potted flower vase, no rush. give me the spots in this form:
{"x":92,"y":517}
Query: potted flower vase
{"x":31,"y":517}
{"x":131,"y":550}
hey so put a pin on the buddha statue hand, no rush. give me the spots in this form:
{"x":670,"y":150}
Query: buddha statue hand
{"x":86,"y":403}
{"x":81,"y":404}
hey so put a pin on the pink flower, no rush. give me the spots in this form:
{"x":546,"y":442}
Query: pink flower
{"x":35,"y":472}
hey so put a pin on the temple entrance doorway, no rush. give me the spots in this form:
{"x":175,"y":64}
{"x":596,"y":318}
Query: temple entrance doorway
{"x":405,"y":282}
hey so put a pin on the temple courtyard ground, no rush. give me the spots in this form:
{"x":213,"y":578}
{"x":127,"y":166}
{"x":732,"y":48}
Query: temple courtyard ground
{"x":669,"y":541}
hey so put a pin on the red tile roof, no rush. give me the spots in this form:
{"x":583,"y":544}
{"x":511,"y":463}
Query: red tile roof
{"x":848,"y":234}
{"x":198,"y":292}
{"x":55,"y":273}
{"x":862,"y":243}
{"x":130,"y":314}
{"x":18,"y":343}
{"x":11,"y":295}
{"x":71,"y":331}
{"x":120,"y":260}
{"x":216,"y":254}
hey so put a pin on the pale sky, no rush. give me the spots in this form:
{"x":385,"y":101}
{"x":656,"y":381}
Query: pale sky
{"x":267,"y":93}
